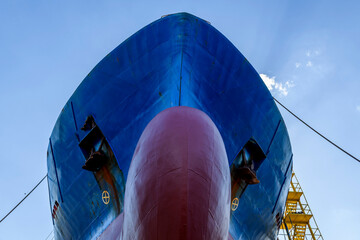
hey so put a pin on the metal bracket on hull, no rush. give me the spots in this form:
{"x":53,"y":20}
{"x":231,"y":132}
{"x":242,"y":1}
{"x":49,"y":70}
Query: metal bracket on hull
{"x":101,"y":160}
{"x":244,"y":167}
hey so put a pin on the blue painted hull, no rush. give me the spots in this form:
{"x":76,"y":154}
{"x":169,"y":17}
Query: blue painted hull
{"x":179,"y":60}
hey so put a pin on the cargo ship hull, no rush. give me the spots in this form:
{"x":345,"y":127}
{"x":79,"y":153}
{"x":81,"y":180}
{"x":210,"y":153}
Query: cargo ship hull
{"x":177,"y":61}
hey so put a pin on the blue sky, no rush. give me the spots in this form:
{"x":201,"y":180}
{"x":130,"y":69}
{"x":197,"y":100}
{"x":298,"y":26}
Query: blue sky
{"x":306,"y":51}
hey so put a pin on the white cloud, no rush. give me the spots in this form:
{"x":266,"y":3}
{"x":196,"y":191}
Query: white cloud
{"x":309,"y":64}
{"x":272,"y":85}
{"x":269,"y":82}
{"x":358,"y":108}
{"x":297,"y":65}
{"x":313,"y":53}
{"x":289,"y":84}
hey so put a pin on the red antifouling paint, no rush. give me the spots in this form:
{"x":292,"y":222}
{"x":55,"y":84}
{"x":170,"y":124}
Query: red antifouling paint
{"x":178,"y":184}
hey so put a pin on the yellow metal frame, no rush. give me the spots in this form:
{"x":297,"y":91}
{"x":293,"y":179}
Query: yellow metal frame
{"x":298,"y":221}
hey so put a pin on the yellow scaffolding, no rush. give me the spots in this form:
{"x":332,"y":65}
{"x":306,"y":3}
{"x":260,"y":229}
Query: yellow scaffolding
{"x":298,"y":222}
